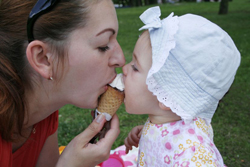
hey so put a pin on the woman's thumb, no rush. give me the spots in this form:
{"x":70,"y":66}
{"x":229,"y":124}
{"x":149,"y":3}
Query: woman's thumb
{"x":94,"y":128}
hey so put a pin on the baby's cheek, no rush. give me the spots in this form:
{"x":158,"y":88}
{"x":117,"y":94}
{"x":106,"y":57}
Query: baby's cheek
{"x":129,"y":106}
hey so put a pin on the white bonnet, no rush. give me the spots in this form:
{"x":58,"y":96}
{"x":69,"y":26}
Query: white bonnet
{"x":194,"y":63}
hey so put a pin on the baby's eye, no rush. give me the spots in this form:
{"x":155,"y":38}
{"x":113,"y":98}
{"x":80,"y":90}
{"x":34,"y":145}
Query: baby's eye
{"x":103,"y":49}
{"x":134,"y":68}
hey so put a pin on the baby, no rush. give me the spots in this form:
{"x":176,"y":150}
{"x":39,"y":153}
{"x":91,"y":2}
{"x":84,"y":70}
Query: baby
{"x":181,"y":68}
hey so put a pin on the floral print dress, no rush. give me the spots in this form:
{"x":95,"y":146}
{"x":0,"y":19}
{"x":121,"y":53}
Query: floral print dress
{"x":178,"y":144}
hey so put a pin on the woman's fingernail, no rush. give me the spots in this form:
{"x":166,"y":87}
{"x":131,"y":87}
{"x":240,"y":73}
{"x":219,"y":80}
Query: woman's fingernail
{"x":100,"y":118}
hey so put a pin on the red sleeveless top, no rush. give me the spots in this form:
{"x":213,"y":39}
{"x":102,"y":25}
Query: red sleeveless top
{"x":28,"y":154}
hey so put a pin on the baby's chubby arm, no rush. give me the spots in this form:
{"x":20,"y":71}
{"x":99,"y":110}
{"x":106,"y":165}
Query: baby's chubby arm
{"x":133,"y":138}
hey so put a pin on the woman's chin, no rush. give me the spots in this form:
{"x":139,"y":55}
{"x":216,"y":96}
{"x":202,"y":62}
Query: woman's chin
{"x":88,"y":105}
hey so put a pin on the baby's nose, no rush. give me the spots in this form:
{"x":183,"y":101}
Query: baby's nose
{"x":125,"y":69}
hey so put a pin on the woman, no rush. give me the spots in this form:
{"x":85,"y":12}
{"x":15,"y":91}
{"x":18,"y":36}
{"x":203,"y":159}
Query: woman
{"x":67,"y":54}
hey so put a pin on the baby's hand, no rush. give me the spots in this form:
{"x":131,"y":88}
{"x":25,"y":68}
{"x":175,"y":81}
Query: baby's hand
{"x":133,"y":138}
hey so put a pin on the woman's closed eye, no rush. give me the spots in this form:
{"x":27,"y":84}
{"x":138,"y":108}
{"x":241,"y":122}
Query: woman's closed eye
{"x":134,"y":67}
{"x":103,"y":49}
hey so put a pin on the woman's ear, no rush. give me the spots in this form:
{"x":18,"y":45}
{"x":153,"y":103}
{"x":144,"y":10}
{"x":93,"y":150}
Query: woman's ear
{"x":163,"y":107}
{"x":39,"y":58}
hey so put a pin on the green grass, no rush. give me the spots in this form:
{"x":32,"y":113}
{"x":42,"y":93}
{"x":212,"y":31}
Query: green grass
{"x":231,"y":120}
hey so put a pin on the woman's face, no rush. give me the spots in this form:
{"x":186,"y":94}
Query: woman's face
{"x":93,"y":55}
{"x":138,"y":99}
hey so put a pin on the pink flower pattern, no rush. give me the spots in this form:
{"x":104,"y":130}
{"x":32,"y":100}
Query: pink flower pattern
{"x":164,"y":133}
{"x":185,"y":164}
{"x":158,"y":125}
{"x":162,"y":148}
{"x":167,"y":159}
{"x":176,"y":164}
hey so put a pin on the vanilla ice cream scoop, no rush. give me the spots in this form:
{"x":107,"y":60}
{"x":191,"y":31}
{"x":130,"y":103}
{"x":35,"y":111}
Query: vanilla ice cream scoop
{"x":118,"y":82}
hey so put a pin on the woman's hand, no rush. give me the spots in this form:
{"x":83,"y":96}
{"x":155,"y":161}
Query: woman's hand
{"x":79,"y":152}
{"x":133,"y":138}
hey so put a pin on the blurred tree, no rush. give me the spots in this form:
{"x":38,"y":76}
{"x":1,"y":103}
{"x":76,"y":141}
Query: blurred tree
{"x":131,"y":3}
{"x":138,"y":2}
{"x":152,"y":1}
{"x":135,"y":2}
{"x":223,"y":7}
{"x":146,"y":2}
{"x":123,"y":2}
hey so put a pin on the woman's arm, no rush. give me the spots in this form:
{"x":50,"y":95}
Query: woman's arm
{"x":50,"y":153}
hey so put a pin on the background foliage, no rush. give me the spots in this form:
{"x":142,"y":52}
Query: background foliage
{"x":231,"y":120}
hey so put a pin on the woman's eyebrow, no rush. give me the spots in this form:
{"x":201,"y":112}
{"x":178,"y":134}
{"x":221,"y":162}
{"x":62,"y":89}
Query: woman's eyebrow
{"x":105,"y":30}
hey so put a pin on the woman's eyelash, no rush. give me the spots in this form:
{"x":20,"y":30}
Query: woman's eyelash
{"x":134,"y":68}
{"x":103,"y":49}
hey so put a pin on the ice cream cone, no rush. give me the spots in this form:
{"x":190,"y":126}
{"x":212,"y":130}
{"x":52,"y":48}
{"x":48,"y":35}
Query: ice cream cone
{"x":108,"y":104}
{"x":110,"y":101}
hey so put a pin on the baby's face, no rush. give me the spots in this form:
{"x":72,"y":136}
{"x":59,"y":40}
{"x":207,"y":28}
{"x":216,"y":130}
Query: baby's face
{"x":138,"y":99}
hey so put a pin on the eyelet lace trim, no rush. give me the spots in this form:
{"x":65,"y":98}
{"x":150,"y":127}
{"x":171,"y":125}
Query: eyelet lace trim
{"x":166,"y":99}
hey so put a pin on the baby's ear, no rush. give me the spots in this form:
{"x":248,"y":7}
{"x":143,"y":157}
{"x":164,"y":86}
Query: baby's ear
{"x":163,"y":107}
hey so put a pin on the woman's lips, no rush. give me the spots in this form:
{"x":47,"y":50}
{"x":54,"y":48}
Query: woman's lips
{"x":112,"y":79}
{"x":106,"y":86}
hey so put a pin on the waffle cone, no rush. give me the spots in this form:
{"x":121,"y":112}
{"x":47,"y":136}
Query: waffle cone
{"x":110,"y":101}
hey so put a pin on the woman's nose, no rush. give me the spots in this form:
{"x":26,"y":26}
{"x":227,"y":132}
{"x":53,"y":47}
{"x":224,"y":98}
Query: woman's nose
{"x":117,"y":59}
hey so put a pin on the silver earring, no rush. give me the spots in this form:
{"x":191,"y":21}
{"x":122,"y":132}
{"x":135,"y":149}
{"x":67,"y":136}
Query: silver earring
{"x":51,"y":78}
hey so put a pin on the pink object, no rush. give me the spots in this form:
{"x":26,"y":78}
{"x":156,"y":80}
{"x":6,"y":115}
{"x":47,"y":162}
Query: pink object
{"x":114,"y":161}
{"x":118,"y":158}
{"x":176,"y":132}
{"x":168,"y":146}
{"x":200,"y":139}
{"x":191,"y":131}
